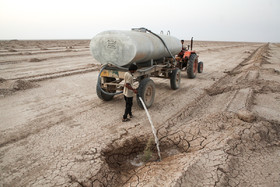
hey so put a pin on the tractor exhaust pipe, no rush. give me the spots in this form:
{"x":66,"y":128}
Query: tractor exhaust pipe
{"x":191,"y":43}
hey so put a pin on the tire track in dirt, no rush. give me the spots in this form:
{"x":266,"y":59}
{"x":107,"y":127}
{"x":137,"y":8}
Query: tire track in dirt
{"x":189,"y":86}
{"x":46,"y":76}
{"x":41,"y":69}
{"x":243,"y":78}
{"x":192,"y":110}
{"x":46,"y":121}
{"x":42,"y":57}
{"x":9,"y":86}
{"x":49,"y":117}
{"x":41,"y":52}
{"x":219,"y":49}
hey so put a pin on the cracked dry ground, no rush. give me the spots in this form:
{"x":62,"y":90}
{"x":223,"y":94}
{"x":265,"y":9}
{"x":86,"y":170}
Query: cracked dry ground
{"x":220,"y":129}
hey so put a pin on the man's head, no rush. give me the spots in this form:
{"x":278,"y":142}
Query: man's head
{"x":132,"y":68}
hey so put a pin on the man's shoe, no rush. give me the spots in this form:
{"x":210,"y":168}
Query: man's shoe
{"x":131,"y":116}
{"x":125,"y":120}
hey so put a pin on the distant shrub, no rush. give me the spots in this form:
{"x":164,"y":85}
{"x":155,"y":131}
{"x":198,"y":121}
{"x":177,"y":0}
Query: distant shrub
{"x":148,"y":153}
{"x":35,"y":60}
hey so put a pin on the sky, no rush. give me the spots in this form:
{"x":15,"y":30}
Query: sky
{"x":211,"y":20}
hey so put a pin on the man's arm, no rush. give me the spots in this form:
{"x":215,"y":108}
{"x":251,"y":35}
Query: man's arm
{"x":130,"y":87}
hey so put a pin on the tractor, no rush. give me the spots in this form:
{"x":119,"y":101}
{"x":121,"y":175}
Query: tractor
{"x":188,"y":60}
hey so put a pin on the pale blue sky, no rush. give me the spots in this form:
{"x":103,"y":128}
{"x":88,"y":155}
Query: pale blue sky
{"x":221,"y":20}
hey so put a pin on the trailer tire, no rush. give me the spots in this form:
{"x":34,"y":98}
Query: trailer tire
{"x":146,"y":91}
{"x":100,"y":94}
{"x":200,"y":67}
{"x":175,"y":79}
{"x":192,"y":66}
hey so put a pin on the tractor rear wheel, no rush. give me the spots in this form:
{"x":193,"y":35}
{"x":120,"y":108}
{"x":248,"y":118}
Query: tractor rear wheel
{"x":175,"y":79}
{"x":200,"y":67}
{"x":102,"y":95}
{"x":146,"y":91}
{"x":192,"y":66}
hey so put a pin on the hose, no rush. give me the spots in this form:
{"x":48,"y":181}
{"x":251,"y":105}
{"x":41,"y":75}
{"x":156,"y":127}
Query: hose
{"x":161,"y":41}
{"x":152,"y":126}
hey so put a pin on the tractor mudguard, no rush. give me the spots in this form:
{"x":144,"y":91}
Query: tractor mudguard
{"x":187,"y":54}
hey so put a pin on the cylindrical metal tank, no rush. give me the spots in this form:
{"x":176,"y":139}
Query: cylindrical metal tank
{"x":121,"y":48}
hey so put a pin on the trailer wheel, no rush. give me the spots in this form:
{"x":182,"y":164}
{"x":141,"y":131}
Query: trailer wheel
{"x":102,"y":95}
{"x":200,"y":67}
{"x":146,"y":91}
{"x":175,"y":79}
{"x":192,"y":66}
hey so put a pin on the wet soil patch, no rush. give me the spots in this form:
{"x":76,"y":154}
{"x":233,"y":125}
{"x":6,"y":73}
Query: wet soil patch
{"x":121,"y":161}
{"x":133,"y":152}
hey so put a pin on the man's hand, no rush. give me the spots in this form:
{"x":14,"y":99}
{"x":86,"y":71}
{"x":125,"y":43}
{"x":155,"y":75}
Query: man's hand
{"x":130,"y":87}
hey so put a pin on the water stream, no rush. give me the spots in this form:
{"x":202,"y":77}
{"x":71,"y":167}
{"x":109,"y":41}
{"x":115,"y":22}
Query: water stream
{"x":153,"y":128}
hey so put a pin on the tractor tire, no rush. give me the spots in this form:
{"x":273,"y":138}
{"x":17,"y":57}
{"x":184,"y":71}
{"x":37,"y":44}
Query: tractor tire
{"x":175,"y":79}
{"x":192,"y":66}
{"x":200,"y":67}
{"x":102,"y":95}
{"x":146,"y":91}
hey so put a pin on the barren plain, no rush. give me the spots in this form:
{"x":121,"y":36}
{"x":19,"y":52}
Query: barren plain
{"x":220,"y":129}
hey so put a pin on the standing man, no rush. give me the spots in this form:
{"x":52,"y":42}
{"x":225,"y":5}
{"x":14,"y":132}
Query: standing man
{"x":128,"y":91}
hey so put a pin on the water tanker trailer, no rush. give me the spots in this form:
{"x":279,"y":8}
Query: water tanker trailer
{"x":155,"y":55}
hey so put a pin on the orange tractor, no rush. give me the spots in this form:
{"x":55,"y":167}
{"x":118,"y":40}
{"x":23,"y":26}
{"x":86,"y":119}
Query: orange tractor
{"x":188,"y":60}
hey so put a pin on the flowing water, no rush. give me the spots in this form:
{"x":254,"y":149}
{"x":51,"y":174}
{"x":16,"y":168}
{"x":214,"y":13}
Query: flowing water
{"x":153,"y":128}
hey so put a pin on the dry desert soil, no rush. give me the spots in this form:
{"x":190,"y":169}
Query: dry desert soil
{"x":220,"y":129}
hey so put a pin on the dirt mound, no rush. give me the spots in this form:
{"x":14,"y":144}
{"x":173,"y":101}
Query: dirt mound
{"x":9,"y":86}
{"x":23,"y":85}
{"x":2,"y":80}
{"x":246,"y":116}
{"x":12,"y":50}
{"x":35,"y":60}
